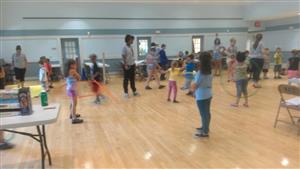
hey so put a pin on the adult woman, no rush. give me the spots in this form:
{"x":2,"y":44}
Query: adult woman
{"x":152,"y":68}
{"x":129,"y":66}
{"x":202,"y":86}
{"x":19,"y":62}
{"x":257,"y":59}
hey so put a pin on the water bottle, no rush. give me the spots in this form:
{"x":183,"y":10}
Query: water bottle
{"x":44,"y":98}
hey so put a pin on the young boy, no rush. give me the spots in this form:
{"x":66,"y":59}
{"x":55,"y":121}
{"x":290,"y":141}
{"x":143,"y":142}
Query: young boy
{"x":43,"y":75}
{"x":189,"y":69}
{"x":48,"y":68}
{"x":96,"y":77}
{"x":278,"y":62}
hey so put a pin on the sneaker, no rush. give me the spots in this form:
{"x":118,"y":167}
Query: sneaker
{"x":77,"y":115}
{"x":200,"y":129}
{"x":136,"y":94}
{"x":169,"y":100}
{"x":6,"y":145}
{"x":126,"y":95}
{"x":201,"y":135}
{"x":51,"y":87}
{"x":97,"y":102}
{"x":234,"y":105}
{"x":148,"y":88}
{"x":161,"y":86}
{"x":175,"y":101}
{"x":77,"y":121}
{"x":279,"y":77}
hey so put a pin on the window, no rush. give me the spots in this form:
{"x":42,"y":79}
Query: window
{"x":197,"y":44}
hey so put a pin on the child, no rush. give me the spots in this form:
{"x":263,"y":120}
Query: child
{"x":266,"y":66}
{"x":71,"y":79}
{"x":202,"y":86}
{"x":278,"y":62}
{"x":217,"y":52}
{"x":293,"y":68}
{"x":241,"y":79}
{"x":48,"y":68}
{"x":174,"y":72}
{"x":230,"y":60}
{"x":96,"y":77}
{"x":43,"y":76}
{"x":189,"y":69}
{"x":152,"y":67}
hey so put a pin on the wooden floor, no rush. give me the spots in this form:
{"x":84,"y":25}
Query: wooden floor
{"x":149,"y":132}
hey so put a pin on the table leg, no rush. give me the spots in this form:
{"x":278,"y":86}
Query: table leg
{"x":42,"y":146}
{"x":45,"y":144}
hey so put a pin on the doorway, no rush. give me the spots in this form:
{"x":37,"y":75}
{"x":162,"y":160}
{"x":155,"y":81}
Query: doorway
{"x":143,"y":45}
{"x":70,"y":50}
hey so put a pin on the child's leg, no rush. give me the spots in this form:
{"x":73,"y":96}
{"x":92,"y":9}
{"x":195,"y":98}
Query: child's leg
{"x":245,"y":91}
{"x":149,"y":77}
{"x":239,"y":92}
{"x":170,"y":89}
{"x":174,"y":90}
{"x":156,"y":78}
{"x":73,"y":106}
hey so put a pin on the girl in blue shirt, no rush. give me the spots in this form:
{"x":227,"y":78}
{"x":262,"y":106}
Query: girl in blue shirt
{"x":202,"y":86}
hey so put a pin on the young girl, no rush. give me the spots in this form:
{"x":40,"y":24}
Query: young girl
{"x":217,"y":56}
{"x":241,"y":79}
{"x":96,"y":77}
{"x":202,"y":86}
{"x":152,"y":67}
{"x":43,"y":76}
{"x":189,"y":69}
{"x":174,"y":72}
{"x":71,"y":79}
{"x":266,"y":66}
{"x":230,"y":60}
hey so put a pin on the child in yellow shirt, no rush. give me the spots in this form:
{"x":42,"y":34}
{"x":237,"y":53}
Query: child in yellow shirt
{"x":174,"y":73}
{"x":278,"y":62}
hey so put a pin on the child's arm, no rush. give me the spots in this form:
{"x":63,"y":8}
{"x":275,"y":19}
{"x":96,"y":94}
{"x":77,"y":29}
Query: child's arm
{"x":75,"y":74}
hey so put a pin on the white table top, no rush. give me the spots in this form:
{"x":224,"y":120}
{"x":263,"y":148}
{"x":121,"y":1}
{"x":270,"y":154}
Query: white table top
{"x":40,"y":116}
{"x":140,"y":62}
{"x":56,"y":66}
{"x":99,"y":64}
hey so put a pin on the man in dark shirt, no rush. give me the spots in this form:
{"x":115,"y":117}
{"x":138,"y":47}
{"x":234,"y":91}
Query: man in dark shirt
{"x":163,"y":61}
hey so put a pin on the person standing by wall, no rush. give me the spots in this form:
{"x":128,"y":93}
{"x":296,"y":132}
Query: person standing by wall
{"x":257,"y":59}
{"x":163,"y":61}
{"x":19,"y":62}
{"x":129,"y":66}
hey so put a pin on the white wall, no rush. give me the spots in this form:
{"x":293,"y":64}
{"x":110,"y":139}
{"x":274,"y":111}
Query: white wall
{"x":285,"y":39}
{"x":12,"y":14}
{"x":34,"y":48}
